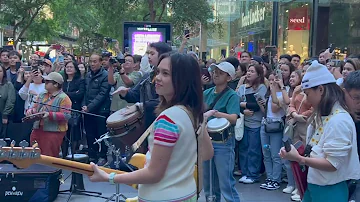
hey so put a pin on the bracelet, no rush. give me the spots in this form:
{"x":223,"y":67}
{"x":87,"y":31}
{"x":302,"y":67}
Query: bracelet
{"x":111,"y":178}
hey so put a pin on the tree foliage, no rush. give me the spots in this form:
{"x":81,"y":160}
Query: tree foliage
{"x":94,"y":17}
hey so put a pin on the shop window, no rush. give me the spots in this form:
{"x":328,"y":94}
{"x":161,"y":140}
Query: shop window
{"x":294,"y":29}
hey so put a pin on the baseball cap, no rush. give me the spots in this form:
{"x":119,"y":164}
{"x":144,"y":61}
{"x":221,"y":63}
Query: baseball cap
{"x":54,"y":76}
{"x":257,"y":59}
{"x":225,"y":67}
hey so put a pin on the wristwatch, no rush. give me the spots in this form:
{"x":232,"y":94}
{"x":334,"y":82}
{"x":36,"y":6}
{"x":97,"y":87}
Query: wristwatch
{"x":111,"y":178}
{"x":122,"y":73}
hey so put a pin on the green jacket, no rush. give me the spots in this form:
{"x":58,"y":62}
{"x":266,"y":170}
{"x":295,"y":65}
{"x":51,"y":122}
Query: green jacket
{"x":7,"y":99}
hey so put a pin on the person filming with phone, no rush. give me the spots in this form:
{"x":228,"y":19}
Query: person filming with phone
{"x":33,"y":87}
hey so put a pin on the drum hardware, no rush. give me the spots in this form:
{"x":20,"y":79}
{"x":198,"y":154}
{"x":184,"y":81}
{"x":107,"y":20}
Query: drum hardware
{"x":117,"y":152}
{"x":111,"y":149}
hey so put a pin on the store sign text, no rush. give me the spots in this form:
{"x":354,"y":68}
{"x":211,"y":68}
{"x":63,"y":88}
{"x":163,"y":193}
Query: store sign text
{"x":296,"y":20}
{"x":253,"y":17}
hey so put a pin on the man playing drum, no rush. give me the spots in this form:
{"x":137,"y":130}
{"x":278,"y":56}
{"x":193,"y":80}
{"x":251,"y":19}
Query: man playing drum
{"x":226,"y":106}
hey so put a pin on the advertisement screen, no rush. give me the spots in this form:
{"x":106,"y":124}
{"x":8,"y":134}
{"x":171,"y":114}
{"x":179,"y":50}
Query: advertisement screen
{"x":137,"y":36}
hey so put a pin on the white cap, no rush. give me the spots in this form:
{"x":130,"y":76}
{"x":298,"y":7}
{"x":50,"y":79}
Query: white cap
{"x":225,"y":67}
{"x":316,"y":75}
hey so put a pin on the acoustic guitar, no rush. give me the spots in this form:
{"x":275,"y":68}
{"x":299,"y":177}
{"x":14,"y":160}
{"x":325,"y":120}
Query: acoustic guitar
{"x":24,"y":156}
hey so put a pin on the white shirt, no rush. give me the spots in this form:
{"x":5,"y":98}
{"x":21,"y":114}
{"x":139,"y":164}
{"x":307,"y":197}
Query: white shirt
{"x":338,"y":145}
{"x":24,"y":93}
{"x":178,"y":183}
{"x":276,"y":115}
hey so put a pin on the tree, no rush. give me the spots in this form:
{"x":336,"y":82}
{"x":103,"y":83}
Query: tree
{"x":21,"y":15}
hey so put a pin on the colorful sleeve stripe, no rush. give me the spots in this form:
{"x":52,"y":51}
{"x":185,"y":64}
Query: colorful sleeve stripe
{"x":166,"y":132}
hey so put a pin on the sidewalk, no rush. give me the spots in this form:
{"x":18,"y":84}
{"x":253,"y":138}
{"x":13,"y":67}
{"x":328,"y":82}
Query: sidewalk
{"x":248,"y":193}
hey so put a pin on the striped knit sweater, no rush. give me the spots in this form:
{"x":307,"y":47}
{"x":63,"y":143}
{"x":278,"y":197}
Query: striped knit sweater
{"x":173,"y":128}
{"x":58,"y":118}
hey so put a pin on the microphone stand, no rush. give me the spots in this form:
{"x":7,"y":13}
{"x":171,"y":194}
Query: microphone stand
{"x":77,"y":182}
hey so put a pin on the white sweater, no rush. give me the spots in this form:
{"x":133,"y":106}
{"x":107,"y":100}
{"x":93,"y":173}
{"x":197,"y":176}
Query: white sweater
{"x":339,"y":146}
{"x":24,"y":93}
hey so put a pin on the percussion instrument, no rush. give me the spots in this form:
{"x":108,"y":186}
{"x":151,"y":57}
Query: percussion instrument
{"x":218,"y":129}
{"x":125,"y":129}
{"x":33,"y":117}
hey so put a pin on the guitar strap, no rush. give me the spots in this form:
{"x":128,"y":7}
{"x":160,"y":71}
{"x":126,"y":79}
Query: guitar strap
{"x":198,"y":132}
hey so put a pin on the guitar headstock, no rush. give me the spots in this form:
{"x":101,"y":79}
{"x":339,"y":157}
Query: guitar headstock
{"x":21,"y":157}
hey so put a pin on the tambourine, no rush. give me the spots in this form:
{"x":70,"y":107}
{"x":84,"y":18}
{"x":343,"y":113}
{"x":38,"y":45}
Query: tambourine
{"x":33,"y":117}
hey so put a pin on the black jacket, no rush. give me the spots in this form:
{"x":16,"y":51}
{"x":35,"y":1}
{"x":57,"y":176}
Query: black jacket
{"x":75,"y":89}
{"x":141,"y":92}
{"x":97,"y":98}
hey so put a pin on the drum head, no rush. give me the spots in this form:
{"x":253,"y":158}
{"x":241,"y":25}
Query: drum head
{"x":217,"y":124}
{"x":118,"y":119}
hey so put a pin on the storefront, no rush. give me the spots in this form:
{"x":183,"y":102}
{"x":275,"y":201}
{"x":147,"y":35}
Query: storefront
{"x":302,"y":27}
{"x":294,"y":29}
{"x":254,"y":27}
{"x":338,"y":24}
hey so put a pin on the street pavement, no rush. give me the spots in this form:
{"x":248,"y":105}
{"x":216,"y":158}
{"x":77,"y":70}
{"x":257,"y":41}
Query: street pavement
{"x":248,"y":193}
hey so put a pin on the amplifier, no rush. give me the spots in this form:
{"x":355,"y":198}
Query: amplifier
{"x":37,"y":183}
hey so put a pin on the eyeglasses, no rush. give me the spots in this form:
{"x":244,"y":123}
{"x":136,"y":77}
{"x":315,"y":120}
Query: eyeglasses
{"x":48,"y":81}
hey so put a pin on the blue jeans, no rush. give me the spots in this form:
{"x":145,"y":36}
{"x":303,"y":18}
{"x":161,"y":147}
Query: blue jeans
{"x":272,"y":160}
{"x":250,"y":155}
{"x":222,"y":166}
{"x":289,"y":173}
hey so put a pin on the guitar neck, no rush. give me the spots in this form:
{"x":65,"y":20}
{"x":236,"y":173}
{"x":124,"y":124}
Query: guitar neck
{"x":73,"y":166}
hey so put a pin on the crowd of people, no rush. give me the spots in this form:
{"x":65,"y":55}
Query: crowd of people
{"x":318,"y":100}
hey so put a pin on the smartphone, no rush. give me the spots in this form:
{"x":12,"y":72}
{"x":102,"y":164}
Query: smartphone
{"x":56,"y":46}
{"x":270,"y":49}
{"x":258,"y":97}
{"x":17,"y":65}
{"x":121,"y":61}
{"x":27,"y":68}
{"x":8,"y":48}
{"x":278,"y":73}
{"x":331,"y":47}
{"x":61,"y":58}
{"x":187,"y":33}
{"x":205,"y":72}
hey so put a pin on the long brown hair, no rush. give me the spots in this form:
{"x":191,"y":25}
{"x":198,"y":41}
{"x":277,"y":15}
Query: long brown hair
{"x":260,"y":79}
{"x":332,"y":94}
{"x":186,"y":92}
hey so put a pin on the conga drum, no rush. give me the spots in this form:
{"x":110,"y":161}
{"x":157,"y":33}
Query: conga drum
{"x":219,"y":129}
{"x":125,"y":130}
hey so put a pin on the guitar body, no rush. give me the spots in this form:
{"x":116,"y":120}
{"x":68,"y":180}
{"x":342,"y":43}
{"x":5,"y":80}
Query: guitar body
{"x":300,"y":171}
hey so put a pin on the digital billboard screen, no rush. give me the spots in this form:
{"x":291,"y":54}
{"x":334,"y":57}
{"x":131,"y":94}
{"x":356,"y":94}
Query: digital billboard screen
{"x":138,"y":35}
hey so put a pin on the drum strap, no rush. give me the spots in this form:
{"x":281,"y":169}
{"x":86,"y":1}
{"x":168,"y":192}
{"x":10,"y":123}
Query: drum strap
{"x":218,"y":98}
